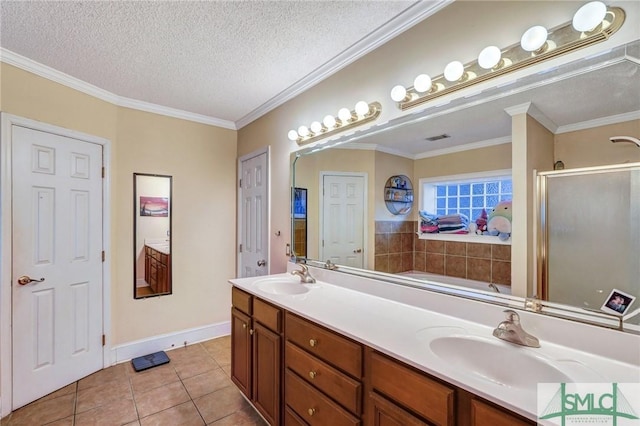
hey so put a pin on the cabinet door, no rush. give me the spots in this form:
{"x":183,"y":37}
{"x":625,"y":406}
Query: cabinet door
{"x":485,"y":414}
{"x":267,"y":359}
{"x":241,"y":351}
{"x":385,"y":413}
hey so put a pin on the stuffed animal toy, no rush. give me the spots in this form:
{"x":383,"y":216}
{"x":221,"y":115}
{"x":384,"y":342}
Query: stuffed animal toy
{"x":499,"y":222}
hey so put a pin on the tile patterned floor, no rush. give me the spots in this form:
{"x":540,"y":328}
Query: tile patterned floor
{"x":193,"y":389}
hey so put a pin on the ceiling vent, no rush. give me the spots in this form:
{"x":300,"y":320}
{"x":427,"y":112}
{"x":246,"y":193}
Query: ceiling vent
{"x":438,"y":137}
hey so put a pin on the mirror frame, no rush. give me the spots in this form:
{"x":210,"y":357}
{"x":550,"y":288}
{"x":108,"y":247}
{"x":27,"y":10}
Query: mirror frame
{"x":574,"y":313}
{"x":136,"y":215}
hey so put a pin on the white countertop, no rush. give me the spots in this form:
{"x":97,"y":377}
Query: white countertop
{"x":159,"y":244}
{"x":405,"y":332}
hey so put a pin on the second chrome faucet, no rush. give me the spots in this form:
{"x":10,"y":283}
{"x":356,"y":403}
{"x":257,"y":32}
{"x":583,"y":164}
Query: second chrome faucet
{"x":303,"y":273}
{"x":511,"y":331}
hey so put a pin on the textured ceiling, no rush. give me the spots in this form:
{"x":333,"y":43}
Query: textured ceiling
{"x":221,"y":59}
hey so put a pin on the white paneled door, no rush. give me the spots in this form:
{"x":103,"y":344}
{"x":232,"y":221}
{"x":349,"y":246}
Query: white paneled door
{"x":343,"y":220}
{"x":253,"y":225}
{"x":57,"y":262}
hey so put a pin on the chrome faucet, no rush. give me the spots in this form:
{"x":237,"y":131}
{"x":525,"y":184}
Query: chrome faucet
{"x":511,"y":331}
{"x":304,"y":275}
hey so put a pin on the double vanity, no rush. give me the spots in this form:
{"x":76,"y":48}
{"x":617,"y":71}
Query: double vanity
{"x":348,"y":350}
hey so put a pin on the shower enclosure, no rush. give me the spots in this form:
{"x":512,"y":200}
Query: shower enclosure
{"x":589,"y":235}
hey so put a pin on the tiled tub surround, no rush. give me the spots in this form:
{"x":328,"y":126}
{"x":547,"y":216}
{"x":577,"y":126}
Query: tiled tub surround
{"x":490,"y":263}
{"x":394,"y":246}
{"x":390,"y":318}
{"x":398,"y":249}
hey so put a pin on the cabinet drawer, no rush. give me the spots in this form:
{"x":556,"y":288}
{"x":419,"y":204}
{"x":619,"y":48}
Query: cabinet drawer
{"x":485,"y":414}
{"x":327,"y":345}
{"x":332,"y":382}
{"x":268,"y":315}
{"x":312,"y":406}
{"x":163,"y":258}
{"x":292,"y":419}
{"x":241,"y":300}
{"x":385,"y":412}
{"x":426,"y":397}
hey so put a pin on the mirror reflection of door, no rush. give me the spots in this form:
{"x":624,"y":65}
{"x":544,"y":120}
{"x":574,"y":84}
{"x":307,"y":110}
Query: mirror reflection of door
{"x":342,"y":235}
{"x":152,"y":235}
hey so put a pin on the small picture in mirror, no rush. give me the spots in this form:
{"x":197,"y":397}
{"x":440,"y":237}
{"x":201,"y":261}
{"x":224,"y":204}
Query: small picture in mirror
{"x":618,"y":302}
{"x":154,"y":206}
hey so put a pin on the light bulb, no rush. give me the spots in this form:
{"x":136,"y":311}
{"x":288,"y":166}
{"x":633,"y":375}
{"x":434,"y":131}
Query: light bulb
{"x":362,"y":108}
{"x":489,"y":57}
{"x":329,"y":121}
{"x":292,"y":135}
{"x":398,"y":93}
{"x":589,"y":16}
{"x":303,"y":131}
{"x":534,"y":38}
{"x":454,"y":71}
{"x":344,"y":114}
{"x":316,"y":127}
{"x":422,"y":83}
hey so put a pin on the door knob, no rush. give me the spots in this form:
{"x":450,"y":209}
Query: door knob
{"x":25,"y":279}
{"x":262,"y":262}
{"x":359,"y":250}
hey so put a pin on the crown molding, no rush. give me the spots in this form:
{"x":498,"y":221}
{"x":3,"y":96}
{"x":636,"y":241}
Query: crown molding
{"x":464,"y":147}
{"x":530,"y":109}
{"x":29,"y":65}
{"x":402,"y":22}
{"x":603,"y":121}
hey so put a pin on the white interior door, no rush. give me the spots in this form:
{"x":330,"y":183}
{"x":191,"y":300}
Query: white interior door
{"x":342,"y":238}
{"x":57,"y":241}
{"x":253,"y":220}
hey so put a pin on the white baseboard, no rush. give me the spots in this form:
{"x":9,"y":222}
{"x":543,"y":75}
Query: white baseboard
{"x":163,"y":342}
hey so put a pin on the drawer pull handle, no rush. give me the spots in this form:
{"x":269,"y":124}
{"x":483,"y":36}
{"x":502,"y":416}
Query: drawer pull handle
{"x":311,"y":411}
{"x":313,"y":343}
{"x":251,"y":331}
{"x":244,"y":325}
{"x":312,"y":374}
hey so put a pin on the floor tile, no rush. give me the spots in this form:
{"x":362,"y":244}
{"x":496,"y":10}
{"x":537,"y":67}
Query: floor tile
{"x":116,"y":412}
{"x":184,"y":415}
{"x":145,"y":381}
{"x":115,"y":372}
{"x":220,"y":404}
{"x":160,"y":399}
{"x":194,"y":388}
{"x":44,"y":412}
{"x":102,"y":394}
{"x":205,"y":383}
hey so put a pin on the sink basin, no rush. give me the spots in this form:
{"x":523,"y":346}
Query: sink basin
{"x":510,"y":366}
{"x":281,"y":286}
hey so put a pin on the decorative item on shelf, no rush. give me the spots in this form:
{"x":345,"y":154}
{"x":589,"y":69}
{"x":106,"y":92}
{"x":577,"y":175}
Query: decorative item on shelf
{"x":594,"y":22}
{"x":398,"y":194}
{"x":558,"y":165}
{"x":362,"y":113}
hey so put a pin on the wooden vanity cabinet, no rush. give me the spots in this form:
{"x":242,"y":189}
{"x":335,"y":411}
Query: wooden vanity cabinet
{"x":323,"y":375}
{"x":256,"y":354}
{"x":157,"y":270}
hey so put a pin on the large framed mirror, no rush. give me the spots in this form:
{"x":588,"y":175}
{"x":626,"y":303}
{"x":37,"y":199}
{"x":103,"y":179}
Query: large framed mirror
{"x":586,"y":101}
{"x":152,"y":235}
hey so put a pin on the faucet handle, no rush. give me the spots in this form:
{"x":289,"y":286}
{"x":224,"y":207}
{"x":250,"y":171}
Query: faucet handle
{"x":512,"y":316}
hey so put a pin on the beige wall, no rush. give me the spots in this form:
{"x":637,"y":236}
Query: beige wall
{"x":202,"y":161}
{"x":591,"y":147}
{"x":496,"y":157}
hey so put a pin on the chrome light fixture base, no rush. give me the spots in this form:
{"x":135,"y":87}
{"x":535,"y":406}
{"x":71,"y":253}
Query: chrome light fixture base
{"x":354,"y":120}
{"x":562,"y":39}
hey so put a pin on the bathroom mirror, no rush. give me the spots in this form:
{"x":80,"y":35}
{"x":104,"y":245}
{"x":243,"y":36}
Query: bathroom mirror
{"x":152,"y":235}
{"x":588,"y":93}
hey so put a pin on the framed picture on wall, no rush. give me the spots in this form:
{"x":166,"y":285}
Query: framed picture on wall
{"x":299,"y":203}
{"x":154,"y":206}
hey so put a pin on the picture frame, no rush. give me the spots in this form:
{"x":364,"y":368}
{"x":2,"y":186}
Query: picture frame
{"x":299,"y":203}
{"x":154,"y":206}
{"x":618,"y":302}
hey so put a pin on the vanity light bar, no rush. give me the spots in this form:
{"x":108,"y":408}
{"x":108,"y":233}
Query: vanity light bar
{"x":593,"y":23}
{"x":346,"y":119}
